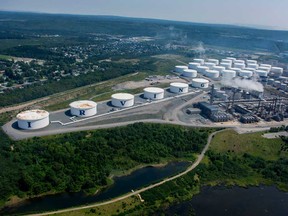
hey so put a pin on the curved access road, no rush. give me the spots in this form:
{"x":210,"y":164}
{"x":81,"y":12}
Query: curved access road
{"x":190,"y":168}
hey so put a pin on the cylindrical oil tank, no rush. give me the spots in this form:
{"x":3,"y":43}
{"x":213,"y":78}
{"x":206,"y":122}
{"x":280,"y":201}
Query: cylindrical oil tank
{"x":229,"y":61}
{"x":153,"y":93}
{"x":277,"y":70}
{"x":261,"y":73}
{"x":228,"y":74}
{"x":239,"y":65}
{"x":193,"y":65}
{"x":238,"y":70}
{"x":179,"y":88}
{"x":210,"y":65}
{"x":215,"y":61}
{"x":270,"y":81}
{"x":202,"y":69}
{"x":122,"y":100}
{"x":238,"y":61}
{"x":282,"y":78}
{"x":200,"y":83}
{"x":213,"y":74}
{"x":227,"y":65}
{"x":232,"y":59}
{"x":180,"y":68}
{"x":277,"y":84}
{"x":264,"y":69}
{"x":218,"y":68}
{"x":266,"y":65}
{"x":33,"y":119}
{"x":245,"y":73}
{"x":250,"y":69}
{"x":248,"y":61}
{"x":283,"y":86}
{"x":189,"y":73}
{"x":201,"y":61}
{"x":255,"y":66}
{"x":83,"y":108}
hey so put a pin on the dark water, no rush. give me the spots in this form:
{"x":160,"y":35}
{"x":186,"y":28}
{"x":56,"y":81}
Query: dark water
{"x":122,"y":185}
{"x":235,"y":201}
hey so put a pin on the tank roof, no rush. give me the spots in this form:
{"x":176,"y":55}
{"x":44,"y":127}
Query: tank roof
{"x":154,"y":90}
{"x":32,"y":115}
{"x":83,"y":104}
{"x":122,"y":96}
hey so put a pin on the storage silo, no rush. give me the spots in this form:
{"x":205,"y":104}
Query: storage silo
{"x":193,"y":65}
{"x":213,"y":74}
{"x":283,"y":86}
{"x":202,"y":69}
{"x":255,"y":66}
{"x":228,"y":74}
{"x":261,"y":73}
{"x":179,"y":88}
{"x":83,"y":108}
{"x":200,"y":83}
{"x":153,"y":93}
{"x":232,"y":59}
{"x":33,"y":119}
{"x":237,"y":70}
{"x":267,"y":69}
{"x":250,"y":69}
{"x":229,"y":61}
{"x":239,"y":65}
{"x":238,"y":61}
{"x":266,"y":65}
{"x":180,"y":68}
{"x":201,"y":61}
{"x":245,"y":73}
{"x":122,"y":100}
{"x":277,"y":84}
{"x":189,"y":73}
{"x":210,"y":65}
{"x":215,"y":61}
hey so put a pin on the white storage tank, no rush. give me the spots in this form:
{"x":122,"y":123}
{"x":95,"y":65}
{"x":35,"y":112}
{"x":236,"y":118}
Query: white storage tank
{"x":239,"y":65}
{"x":153,"y":93}
{"x":83,"y":108}
{"x":245,"y":73}
{"x":215,"y":61}
{"x":261,"y":73}
{"x":251,"y":61}
{"x":180,"y":68}
{"x":228,"y":74}
{"x":250,"y":69}
{"x":232,"y":59}
{"x":266,"y":65}
{"x":33,"y":119}
{"x":201,"y":61}
{"x":200,"y":83}
{"x":270,"y":81}
{"x":255,"y":66}
{"x":264,"y":69}
{"x":213,"y":74}
{"x":229,"y":61}
{"x":227,"y":65}
{"x":238,"y":61}
{"x":283,"y":86}
{"x":238,"y":70}
{"x":193,"y":65}
{"x":179,"y":88}
{"x":189,"y":73}
{"x":277,"y":84}
{"x":218,"y":68}
{"x":202,"y":69}
{"x":210,"y":65}
{"x":277,"y":70}
{"x":122,"y":100}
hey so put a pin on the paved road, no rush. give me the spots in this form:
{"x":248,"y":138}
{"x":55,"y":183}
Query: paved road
{"x":190,"y":168}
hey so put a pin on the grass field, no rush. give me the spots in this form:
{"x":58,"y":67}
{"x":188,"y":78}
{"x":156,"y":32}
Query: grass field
{"x":254,"y":144}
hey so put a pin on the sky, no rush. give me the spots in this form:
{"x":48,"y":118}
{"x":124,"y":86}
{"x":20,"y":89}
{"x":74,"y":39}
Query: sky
{"x":257,"y":13}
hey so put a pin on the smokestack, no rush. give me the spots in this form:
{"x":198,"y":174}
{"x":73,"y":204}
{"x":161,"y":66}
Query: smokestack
{"x":212,"y":94}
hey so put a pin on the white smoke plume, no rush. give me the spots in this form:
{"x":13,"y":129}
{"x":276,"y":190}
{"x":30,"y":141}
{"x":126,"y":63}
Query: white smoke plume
{"x":244,"y":84}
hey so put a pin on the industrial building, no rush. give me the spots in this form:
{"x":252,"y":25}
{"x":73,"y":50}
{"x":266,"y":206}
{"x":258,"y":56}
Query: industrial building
{"x":33,"y":119}
{"x":83,"y":108}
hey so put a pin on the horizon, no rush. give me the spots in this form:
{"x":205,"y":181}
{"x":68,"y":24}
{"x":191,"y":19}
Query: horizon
{"x":257,"y":14}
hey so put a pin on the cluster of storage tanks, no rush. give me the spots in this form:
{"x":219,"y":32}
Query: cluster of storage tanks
{"x":227,"y":68}
{"x":36,"y":119}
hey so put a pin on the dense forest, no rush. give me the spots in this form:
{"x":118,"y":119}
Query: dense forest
{"x":84,"y":160}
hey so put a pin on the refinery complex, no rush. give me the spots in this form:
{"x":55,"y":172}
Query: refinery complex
{"x":209,"y":92}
